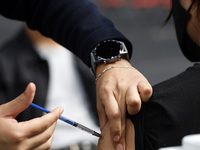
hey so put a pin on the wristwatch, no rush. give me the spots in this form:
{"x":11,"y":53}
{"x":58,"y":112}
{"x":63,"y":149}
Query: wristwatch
{"x":108,"y":51}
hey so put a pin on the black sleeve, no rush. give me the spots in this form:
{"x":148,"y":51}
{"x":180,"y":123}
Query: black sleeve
{"x":75,"y":24}
{"x":172,"y":112}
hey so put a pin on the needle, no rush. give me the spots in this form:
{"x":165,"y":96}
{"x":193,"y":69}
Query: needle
{"x":75,"y":124}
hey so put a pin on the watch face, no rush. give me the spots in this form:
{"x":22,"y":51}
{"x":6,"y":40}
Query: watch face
{"x":108,"y":49}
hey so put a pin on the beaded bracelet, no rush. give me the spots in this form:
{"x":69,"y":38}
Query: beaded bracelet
{"x":129,"y":67}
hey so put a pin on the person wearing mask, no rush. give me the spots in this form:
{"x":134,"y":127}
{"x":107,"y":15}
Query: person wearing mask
{"x":173,"y":110}
{"x":78,"y":26}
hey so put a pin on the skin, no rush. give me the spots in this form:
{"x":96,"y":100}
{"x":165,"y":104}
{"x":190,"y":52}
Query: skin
{"x":120,"y":90}
{"x":104,"y":143}
{"x":193,"y":26}
{"x":116,"y":115}
{"x":33,"y":134}
{"x":115,"y":92}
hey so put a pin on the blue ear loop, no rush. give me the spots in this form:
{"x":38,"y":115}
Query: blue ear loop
{"x":75,"y":124}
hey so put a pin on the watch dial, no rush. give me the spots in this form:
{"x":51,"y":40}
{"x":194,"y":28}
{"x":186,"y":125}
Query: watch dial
{"x":108,"y":49}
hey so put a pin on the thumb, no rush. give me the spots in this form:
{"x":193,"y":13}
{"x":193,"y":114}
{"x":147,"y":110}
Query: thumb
{"x":19,"y":104}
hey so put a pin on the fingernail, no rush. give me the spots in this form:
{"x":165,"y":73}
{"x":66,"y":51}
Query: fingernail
{"x":116,"y":138}
{"x":119,"y":147}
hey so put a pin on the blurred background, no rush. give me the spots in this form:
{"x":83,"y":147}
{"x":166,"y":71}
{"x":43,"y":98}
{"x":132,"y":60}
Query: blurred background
{"x":156,"y":52}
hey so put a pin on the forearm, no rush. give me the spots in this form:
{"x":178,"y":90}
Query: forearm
{"x":75,"y":24}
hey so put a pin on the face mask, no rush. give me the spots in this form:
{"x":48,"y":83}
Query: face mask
{"x":181,"y":18}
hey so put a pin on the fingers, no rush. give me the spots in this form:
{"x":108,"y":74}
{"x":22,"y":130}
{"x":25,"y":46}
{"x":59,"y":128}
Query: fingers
{"x":133,"y":101}
{"x":118,"y":90}
{"x":135,"y":96}
{"x":35,"y":133}
{"x":102,"y":115}
{"x":121,"y":144}
{"x":43,"y":140}
{"x":108,"y":109}
{"x":30,"y":134}
{"x":46,"y":145}
{"x":145,"y":90}
{"x":14,"y":107}
{"x":38,"y":132}
{"x":114,"y":116}
{"x":106,"y":143}
{"x":38,"y":125}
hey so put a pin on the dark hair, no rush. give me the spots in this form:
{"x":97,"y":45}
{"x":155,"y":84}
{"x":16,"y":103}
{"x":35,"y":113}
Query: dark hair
{"x":196,"y":2}
{"x":198,"y":7}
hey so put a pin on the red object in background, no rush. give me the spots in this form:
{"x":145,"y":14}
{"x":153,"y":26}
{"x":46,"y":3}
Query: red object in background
{"x":112,"y":3}
{"x":137,"y":4}
{"x":150,"y":3}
